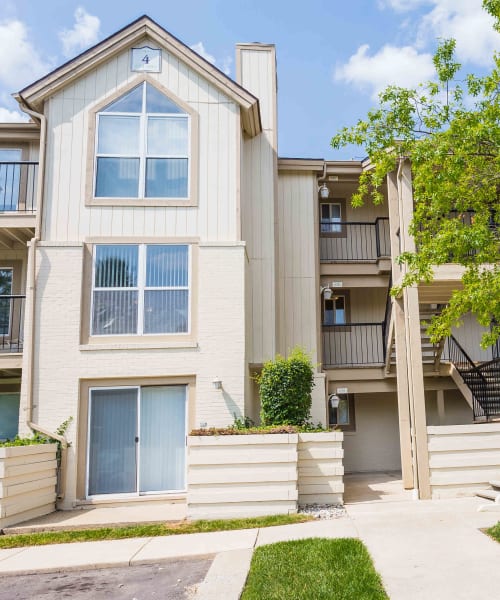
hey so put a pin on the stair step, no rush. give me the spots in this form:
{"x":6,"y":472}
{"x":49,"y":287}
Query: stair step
{"x":495,"y":484}
{"x":488,"y":494}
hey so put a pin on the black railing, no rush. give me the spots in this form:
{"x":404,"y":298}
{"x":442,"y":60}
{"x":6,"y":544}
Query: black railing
{"x":11,"y":323}
{"x":18,"y":182}
{"x":483,"y":380}
{"x":353,"y":344}
{"x":354,"y":241}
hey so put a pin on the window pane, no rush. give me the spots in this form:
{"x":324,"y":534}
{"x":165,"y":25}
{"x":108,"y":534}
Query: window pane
{"x":166,"y":311}
{"x":117,"y":178}
{"x":343,"y":412}
{"x":335,"y":212}
{"x":116,"y":266}
{"x":130,"y":102}
{"x":167,"y":266}
{"x":112,"y":446}
{"x":163,"y":438}
{"x":5,"y":282}
{"x":325,"y":212}
{"x":328,"y":313}
{"x":166,"y":177}
{"x":9,"y":416}
{"x":118,"y":135}
{"x":156,"y":102}
{"x":167,"y":136}
{"x":340,"y":310}
{"x":114,"y":313}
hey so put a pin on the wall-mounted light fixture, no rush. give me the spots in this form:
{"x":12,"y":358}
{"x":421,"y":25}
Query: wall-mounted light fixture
{"x":217,"y":383}
{"x":324,"y":192}
{"x":334,"y":400}
{"x":327,"y":293}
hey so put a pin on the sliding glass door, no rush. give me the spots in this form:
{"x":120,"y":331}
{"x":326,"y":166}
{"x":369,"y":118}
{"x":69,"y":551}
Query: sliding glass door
{"x":137,"y":440}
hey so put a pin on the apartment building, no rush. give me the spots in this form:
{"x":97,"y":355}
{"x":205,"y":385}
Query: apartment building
{"x":155,"y":251}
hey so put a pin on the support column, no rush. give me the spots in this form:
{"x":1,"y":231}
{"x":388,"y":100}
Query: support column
{"x":405,"y":440}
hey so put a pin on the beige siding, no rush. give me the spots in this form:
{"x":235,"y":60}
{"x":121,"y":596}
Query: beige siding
{"x":374,"y":446}
{"x":256,"y":67}
{"x":469,"y":337}
{"x":242,"y":476}
{"x":456,"y":411}
{"x":297,"y":270}
{"x":368,"y":305}
{"x":463,"y":458}
{"x":67,"y":218}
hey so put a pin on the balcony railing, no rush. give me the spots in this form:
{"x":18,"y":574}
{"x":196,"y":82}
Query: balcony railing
{"x":353,"y":344}
{"x":18,"y":183}
{"x":11,"y":323}
{"x":354,"y":241}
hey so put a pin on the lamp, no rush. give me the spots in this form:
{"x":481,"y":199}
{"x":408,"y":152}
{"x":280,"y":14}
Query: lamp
{"x":327,"y":293}
{"x":334,"y":400}
{"x":217,"y":383}
{"x":324,"y":192}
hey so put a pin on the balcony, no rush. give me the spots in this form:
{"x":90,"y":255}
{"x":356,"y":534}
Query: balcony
{"x":353,"y":345}
{"x":18,"y":187}
{"x":354,"y":241}
{"x":11,"y":324}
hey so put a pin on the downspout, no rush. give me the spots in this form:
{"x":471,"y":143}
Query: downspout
{"x":416,"y":484}
{"x":29,"y":362}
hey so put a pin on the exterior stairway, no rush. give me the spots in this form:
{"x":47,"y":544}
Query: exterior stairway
{"x":492,"y":494}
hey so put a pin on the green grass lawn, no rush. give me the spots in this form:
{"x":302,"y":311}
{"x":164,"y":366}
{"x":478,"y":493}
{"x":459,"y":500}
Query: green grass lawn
{"x":494,"y":532}
{"x":118,"y":533}
{"x":313,"y":569}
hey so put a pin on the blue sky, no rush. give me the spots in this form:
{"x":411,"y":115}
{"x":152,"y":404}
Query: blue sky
{"x":333,"y":57}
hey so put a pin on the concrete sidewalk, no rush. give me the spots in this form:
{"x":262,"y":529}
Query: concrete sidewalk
{"x":422,"y":549}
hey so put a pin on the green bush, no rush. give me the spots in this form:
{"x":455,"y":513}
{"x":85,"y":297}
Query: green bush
{"x":285,"y":386}
{"x":17,"y":441}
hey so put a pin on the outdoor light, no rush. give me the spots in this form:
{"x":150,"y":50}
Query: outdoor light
{"x":324,"y":192}
{"x":334,"y":400}
{"x":327,"y":293}
{"x":217,"y":383}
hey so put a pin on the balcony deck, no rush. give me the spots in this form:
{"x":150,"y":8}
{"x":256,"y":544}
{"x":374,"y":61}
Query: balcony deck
{"x":18,"y":184}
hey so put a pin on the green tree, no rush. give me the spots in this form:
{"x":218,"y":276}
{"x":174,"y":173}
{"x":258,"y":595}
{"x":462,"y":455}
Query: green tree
{"x":450,"y":131}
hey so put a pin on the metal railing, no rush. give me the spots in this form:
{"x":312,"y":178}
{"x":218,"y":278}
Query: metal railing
{"x":11,"y":323}
{"x":18,"y":183}
{"x":353,"y":344}
{"x":483,"y":379}
{"x":354,"y":241}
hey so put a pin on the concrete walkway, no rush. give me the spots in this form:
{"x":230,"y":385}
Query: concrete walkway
{"x":423,"y":550}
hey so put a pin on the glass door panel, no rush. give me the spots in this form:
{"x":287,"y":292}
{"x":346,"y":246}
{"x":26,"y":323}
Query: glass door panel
{"x":112,"y":463}
{"x":162,"y":439}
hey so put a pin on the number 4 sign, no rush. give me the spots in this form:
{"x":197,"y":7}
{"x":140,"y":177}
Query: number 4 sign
{"x":146,"y":59}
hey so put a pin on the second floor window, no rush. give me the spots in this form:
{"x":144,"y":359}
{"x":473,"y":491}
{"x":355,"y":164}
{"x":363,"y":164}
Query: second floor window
{"x":142,"y":147}
{"x":140,"y":289}
{"x":334,"y":311}
{"x":331,"y":217}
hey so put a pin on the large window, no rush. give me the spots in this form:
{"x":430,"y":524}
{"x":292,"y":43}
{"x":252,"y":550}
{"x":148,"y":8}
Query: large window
{"x":140,"y":289}
{"x":331,"y":217}
{"x":142,"y":147}
{"x":335,"y":310}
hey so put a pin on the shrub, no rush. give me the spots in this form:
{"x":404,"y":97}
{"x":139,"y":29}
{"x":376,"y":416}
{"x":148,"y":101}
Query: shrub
{"x":285,"y":386}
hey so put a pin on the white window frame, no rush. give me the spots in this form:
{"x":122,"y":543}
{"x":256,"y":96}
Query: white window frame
{"x":137,"y":493}
{"x":334,"y":299}
{"x":141,"y":288}
{"x":334,"y":224}
{"x":143,"y":156}
{"x":11,"y":269}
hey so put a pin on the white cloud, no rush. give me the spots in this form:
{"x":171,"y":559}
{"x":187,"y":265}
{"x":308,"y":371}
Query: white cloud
{"x":12,"y":116}
{"x":224,"y":65}
{"x":84,"y":33}
{"x":402,"y":5}
{"x":389,"y":66}
{"x":468,"y":23}
{"x":21,"y":64}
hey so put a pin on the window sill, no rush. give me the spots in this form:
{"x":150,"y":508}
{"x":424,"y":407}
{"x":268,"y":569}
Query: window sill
{"x":141,"y":202}
{"x":143,"y":345}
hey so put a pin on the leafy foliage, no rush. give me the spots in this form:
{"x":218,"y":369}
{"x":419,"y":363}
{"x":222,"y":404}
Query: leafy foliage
{"x":285,"y":386}
{"x":450,"y":131}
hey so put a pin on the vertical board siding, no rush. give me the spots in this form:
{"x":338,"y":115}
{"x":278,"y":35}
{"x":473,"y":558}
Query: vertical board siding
{"x":297,"y":264}
{"x":66,"y":217}
{"x":469,"y":337}
{"x":258,"y":204}
{"x":463,"y":458}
